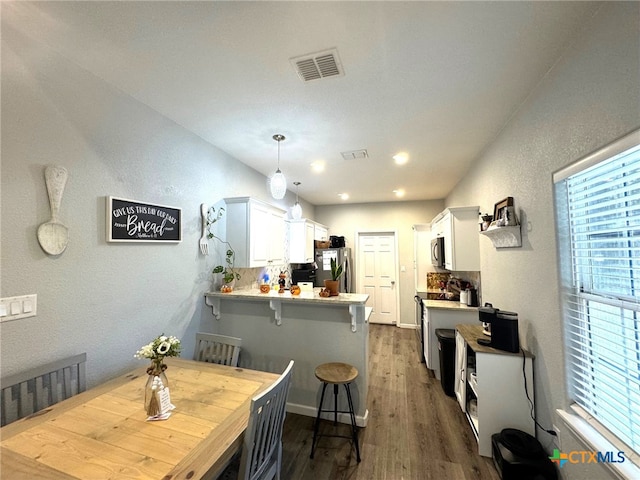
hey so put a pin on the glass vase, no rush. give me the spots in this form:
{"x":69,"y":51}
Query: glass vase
{"x":155,"y":374}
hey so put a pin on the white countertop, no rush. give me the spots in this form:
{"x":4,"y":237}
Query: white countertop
{"x":447,"y":305}
{"x":304,"y":297}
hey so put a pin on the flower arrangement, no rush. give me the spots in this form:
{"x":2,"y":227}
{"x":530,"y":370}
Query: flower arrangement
{"x":159,"y":348}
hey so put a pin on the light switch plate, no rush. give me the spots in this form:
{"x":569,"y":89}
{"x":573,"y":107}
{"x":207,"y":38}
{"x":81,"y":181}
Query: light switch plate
{"x":13,"y":308}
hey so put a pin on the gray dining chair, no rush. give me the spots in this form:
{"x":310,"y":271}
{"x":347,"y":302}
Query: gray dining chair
{"x":220,"y":349}
{"x":26,"y":393}
{"x":262,"y":448}
{"x":261,"y":456}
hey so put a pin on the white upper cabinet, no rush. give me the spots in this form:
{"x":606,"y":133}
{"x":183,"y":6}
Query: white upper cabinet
{"x":302,"y":234}
{"x":459,"y":228}
{"x":255,"y":231}
{"x":320,"y":232}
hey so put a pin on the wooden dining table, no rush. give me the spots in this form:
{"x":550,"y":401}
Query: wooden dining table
{"x":103,"y":433}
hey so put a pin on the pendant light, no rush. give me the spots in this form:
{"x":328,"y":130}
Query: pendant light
{"x":296,"y":210}
{"x":277,"y":182}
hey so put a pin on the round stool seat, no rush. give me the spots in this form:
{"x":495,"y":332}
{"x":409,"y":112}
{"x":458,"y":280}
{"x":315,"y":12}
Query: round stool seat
{"x":336,"y":373}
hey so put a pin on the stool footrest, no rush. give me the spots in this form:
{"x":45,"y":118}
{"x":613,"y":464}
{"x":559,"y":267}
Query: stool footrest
{"x":335,"y":411}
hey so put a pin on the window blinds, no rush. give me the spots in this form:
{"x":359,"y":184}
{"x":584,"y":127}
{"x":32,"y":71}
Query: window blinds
{"x":598,"y":213}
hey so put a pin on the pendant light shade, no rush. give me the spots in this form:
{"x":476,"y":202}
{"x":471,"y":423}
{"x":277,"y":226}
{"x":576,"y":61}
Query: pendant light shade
{"x":296,"y":210}
{"x":277,"y":182}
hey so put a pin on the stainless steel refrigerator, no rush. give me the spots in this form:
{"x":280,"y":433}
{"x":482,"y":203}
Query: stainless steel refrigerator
{"x":323,"y":261}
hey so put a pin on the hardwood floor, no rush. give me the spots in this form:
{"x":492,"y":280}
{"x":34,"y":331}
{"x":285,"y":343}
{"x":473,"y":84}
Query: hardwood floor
{"x":415,"y":431}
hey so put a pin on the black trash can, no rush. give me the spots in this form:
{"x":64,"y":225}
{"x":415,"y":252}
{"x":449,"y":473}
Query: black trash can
{"x":447,"y":350}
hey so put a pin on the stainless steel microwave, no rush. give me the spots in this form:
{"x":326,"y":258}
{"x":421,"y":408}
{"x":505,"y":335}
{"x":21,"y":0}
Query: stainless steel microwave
{"x":437,"y":252}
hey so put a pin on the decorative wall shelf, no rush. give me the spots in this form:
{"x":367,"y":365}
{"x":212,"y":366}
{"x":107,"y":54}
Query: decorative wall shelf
{"x":504,"y":237}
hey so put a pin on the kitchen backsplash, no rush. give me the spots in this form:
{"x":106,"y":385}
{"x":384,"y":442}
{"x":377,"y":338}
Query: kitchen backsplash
{"x":446,"y":286}
{"x":250,"y":277}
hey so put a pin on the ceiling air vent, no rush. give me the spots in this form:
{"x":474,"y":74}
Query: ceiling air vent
{"x":353,"y":154}
{"x":315,"y":66}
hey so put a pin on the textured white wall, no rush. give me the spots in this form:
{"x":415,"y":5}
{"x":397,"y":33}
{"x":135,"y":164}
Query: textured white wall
{"x":589,"y":98}
{"x":105,"y":299}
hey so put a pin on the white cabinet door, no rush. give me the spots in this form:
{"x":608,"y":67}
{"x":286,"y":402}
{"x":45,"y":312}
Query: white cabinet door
{"x":309,"y":251}
{"x":459,"y":228}
{"x":276,"y":234}
{"x":301,"y":236}
{"x":437,"y":226}
{"x":256,"y":232}
{"x":259,"y":235}
{"x":460,"y":381}
{"x":320,"y":232}
{"x":448,"y":241}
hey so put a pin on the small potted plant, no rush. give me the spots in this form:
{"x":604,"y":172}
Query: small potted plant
{"x":336,"y":273}
{"x":229,"y":275}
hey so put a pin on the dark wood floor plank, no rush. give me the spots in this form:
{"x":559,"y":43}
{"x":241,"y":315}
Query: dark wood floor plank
{"x":415,"y":431}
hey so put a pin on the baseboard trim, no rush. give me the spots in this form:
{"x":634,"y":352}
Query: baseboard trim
{"x":407,"y":325}
{"x":307,"y":411}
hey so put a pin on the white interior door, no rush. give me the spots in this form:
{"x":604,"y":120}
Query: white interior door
{"x":377,"y":275}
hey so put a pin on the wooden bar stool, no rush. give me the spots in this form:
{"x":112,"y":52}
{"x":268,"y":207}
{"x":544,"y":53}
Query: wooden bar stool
{"x":336,"y":374}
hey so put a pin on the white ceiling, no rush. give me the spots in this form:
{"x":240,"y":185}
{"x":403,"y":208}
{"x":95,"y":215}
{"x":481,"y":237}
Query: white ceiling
{"x":437,"y":80}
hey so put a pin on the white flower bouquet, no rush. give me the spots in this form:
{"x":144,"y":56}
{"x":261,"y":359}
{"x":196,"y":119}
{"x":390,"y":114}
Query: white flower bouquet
{"x":160,"y":347}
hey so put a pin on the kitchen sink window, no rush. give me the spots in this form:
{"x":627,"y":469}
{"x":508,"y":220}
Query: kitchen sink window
{"x":597,"y":204}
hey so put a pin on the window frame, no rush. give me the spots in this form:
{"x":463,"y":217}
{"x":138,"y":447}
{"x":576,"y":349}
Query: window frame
{"x":579,"y":420}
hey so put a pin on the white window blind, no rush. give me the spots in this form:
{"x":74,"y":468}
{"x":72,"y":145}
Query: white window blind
{"x":598,"y":220}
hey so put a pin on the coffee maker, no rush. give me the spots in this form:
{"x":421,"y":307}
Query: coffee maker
{"x":504,"y":329}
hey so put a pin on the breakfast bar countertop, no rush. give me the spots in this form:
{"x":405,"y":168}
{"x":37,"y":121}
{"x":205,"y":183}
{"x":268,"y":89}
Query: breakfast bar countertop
{"x":305,"y":297}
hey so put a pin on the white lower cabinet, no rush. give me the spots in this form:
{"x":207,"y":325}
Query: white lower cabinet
{"x":434,"y":318}
{"x":490,"y":387}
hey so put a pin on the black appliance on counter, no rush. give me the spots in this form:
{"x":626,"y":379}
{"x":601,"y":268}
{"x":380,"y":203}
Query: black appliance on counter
{"x":336,"y":241}
{"x":504,"y":329}
{"x":303,"y":272}
{"x":519,"y":456}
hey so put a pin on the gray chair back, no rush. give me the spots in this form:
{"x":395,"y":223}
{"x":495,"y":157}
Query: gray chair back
{"x":26,"y":393}
{"x":220,"y":349}
{"x":262,"y":449}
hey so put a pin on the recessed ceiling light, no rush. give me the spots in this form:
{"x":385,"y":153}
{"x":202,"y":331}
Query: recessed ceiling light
{"x":401,"y":158}
{"x":317,"y":166}
{"x":399,"y":192}
{"x":344,"y":196}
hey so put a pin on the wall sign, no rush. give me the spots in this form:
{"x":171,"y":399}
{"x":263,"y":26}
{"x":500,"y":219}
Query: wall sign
{"x":132,"y":221}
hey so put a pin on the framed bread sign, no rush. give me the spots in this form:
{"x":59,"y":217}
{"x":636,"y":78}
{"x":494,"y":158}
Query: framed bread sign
{"x":133,"y":221}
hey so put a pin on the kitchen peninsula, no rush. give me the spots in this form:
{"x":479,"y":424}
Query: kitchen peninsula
{"x":307,"y":328}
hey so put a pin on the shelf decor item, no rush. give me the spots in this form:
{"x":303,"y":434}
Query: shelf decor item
{"x":157,"y":387}
{"x":504,"y":213}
